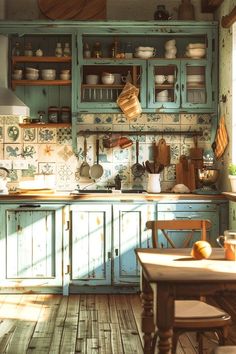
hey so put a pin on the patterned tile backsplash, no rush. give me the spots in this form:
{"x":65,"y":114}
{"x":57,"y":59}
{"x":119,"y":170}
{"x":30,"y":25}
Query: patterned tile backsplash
{"x":49,"y":150}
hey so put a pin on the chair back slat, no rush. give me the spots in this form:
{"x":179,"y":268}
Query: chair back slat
{"x":178,"y":225}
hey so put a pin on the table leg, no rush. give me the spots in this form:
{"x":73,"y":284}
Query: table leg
{"x":164,"y":315}
{"x":147,"y":324}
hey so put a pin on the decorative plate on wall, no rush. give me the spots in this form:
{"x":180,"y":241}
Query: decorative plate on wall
{"x":73,"y":9}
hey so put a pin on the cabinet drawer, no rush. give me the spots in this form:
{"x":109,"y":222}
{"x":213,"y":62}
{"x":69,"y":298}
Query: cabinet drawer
{"x":187,"y":207}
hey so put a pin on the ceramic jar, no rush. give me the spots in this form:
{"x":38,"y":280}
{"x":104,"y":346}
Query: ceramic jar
{"x":153,"y":184}
{"x":186,"y":11}
{"x":161,"y":13}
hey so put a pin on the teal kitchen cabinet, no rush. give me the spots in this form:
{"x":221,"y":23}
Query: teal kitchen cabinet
{"x":31,"y":247}
{"x":195,"y":79}
{"x":216,"y":212}
{"x":232,"y":215}
{"x":90,"y":255}
{"x":181,"y":94}
{"x":129,"y":232}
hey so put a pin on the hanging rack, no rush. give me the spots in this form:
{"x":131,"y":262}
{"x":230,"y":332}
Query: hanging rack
{"x":143,"y":132}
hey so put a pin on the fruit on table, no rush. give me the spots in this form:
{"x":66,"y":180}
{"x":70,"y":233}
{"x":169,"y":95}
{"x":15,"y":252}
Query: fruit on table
{"x":201,"y":250}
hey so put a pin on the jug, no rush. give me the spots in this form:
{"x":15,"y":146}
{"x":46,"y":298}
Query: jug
{"x":4,"y":172}
{"x":228,"y":242}
{"x":153,"y":184}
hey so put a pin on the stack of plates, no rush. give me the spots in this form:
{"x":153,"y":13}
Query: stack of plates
{"x":196,"y":50}
{"x":195,"y":79}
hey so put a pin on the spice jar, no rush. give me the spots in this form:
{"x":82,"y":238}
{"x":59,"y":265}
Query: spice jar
{"x":53,"y":114}
{"x":65,"y":115}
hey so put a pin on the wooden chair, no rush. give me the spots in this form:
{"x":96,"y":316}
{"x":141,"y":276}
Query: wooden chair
{"x":190,"y":315}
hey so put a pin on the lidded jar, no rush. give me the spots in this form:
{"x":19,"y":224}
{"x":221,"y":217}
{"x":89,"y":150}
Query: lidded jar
{"x":58,"y":50}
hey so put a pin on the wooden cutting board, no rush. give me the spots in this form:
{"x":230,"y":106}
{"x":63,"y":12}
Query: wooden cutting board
{"x":73,"y":9}
{"x":185,"y":173}
{"x":162,"y":153}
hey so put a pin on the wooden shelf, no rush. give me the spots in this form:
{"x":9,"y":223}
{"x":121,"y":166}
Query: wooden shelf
{"x":101,"y":86}
{"x":45,"y":125}
{"x":139,"y":133}
{"x":40,"y":83}
{"x":43,"y":59}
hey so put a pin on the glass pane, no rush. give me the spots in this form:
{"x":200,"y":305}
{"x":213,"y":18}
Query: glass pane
{"x":164,"y":83}
{"x":196,"y":84}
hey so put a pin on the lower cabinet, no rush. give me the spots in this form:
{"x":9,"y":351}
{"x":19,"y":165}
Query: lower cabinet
{"x":103,"y":240}
{"x":232,"y":215}
{"x":31,"y":247}
{"x":216,"y":212}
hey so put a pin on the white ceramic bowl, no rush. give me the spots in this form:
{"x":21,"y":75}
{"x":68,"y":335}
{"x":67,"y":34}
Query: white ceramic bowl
{"x":144,"y":54}
{"x":196,"y":53}
{"x":64,"y":76}
{"x":196,"y":45}
{"x":92,"y":79}
{"x":162,"y":99}
{"x":31,"y":70}
{"x":163,"y":93}
{"x":150,"y":49}
{"x":195,"y":78}
{"x":65,"y":71}
{"x":16,"y":76}
{"x":108,"y":79}
{"x":31,"y":76}
{"x":48,"y":76}
{"x":159,"y":79}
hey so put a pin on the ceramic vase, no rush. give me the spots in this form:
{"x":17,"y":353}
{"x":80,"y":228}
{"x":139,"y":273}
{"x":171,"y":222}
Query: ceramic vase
{"x":186,"y":10}
{"x":153,"y":184}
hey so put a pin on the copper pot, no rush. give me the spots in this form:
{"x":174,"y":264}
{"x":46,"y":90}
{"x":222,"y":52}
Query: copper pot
{"x":125,"y":142}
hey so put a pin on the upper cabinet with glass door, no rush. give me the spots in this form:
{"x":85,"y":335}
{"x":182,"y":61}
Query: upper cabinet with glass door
{"x":180,"y":74}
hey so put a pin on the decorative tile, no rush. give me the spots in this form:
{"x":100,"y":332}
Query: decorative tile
{"x":1,"y":133}
{"x":32,"y":169}
{"x":155,"y":118}
{"x":65,"y":152}
{"x":12,"y":151}
{"x":30,"y":151}
{"x":64,"y":136}
{"x":86,"y":118}
{"x":169,"y":173}
{"x":123,"y":170}
{"x":2,"y":120}
{"x":120,"y":119}
{"x":47,"y":152}
{"x":47,"y":135}
{"x":12,"y":134}
{"x":121,"y":155}
{"x":102,"y":119}
{"x":13,"y":175}
{"x":189,"y":119}
{"x":175,"y":153}
{"x":47,"y":168}
{"x":204,"y":119}
{"x":11,"y":120}
{"x":171,"y":119}
{"x":65,"y":177}
{"x":29,"y":135}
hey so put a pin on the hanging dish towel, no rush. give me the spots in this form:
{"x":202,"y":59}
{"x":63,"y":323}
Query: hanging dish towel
{"x":128,"y":101}
{"x":221,"y":139}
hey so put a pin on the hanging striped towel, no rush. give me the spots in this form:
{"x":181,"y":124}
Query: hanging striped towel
{"x":221,"y":139}
{"x":128,"y":101}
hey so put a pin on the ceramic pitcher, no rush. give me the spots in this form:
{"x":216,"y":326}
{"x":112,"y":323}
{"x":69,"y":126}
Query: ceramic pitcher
{"x":153,"y":184}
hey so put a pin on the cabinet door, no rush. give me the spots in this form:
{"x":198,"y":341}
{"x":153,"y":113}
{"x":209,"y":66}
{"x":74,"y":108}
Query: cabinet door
{"x":31,"y":246}
{"x":129,"y":231}
{"x":196,"y":84}
{"x":189,"y":211}
{"x":90,"y":244}
{"x":232,"y":215}
{"x":164,"y":84}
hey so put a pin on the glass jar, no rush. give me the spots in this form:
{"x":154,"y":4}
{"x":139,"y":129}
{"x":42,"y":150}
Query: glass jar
{"x":53,"y":114}
{"x":65,"y":116}
{"x":129,"y":51}
{"x":58,"y":50}
{"x":66,"y":51}
{"x":97,"y":51}
{"x":16,"y":51}
{"x":28,"y":52}
{"x":87,"y":51}
{"x":161,"y":13}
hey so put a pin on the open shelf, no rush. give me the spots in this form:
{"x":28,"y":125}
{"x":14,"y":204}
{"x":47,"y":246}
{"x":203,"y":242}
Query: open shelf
{"x":43,"y":59}
{"x":40,"y":83}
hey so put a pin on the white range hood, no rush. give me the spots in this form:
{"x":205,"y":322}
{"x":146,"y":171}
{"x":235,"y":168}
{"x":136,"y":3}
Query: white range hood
{"x":10,"y":104}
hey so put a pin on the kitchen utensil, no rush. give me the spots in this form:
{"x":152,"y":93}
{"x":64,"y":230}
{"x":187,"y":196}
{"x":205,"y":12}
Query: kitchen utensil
{"x":137,"y":169}
{"x":85,"y":168}
{"x":185,"y":173}
{"x":96,"y":171}
{"x":162,"y":154}
{"x":149,"y":167}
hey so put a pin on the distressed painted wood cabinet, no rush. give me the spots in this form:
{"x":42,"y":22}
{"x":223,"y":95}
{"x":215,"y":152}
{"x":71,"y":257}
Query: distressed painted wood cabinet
{"x":216,"y":212}
{"x":232,"y":215}
{"x":31,"y":247}
{"x":129,"y":232}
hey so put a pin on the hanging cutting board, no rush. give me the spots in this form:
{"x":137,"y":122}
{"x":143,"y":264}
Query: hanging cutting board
{"x":185,"y":173}
{"x":162,"y":153}
{"x":73,"y":9}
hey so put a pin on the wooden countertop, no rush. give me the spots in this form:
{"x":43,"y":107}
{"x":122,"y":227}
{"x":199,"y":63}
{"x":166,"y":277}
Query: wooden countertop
{"x":230,"y":195}
{"x":107,"y":197}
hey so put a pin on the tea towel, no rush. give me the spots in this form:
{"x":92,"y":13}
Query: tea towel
{"x":221,"y":139}
{"x":128,"y":101}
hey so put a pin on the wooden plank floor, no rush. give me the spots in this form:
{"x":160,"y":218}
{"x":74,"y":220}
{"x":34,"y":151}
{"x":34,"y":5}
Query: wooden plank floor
{"x":88,"y":324}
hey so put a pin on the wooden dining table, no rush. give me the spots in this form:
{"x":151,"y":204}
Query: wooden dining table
{"x":170,"y":274}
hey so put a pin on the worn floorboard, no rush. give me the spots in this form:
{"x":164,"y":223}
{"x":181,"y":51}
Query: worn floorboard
{"x":84,"y":324}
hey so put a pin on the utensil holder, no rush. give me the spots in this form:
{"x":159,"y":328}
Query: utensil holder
{"x":153,"y":185}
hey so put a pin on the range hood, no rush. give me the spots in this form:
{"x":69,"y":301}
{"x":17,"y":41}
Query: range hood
{"x":10,"y":104}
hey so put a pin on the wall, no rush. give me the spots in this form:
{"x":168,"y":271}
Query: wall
{"x":49,"y":150}
{"x":116,"y":9}
{"x":225,"y":86}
